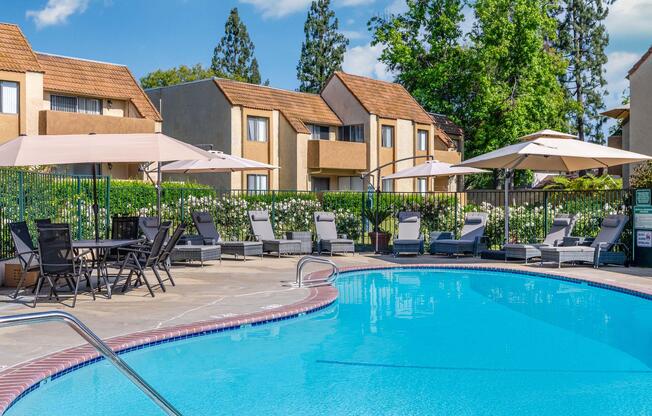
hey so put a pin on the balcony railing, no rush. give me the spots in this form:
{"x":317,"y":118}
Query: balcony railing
{"x":59,"y":122}
{"x":331,"y":154}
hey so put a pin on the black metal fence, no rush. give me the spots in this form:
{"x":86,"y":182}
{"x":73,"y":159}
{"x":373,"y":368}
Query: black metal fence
{"x":29,"y":196}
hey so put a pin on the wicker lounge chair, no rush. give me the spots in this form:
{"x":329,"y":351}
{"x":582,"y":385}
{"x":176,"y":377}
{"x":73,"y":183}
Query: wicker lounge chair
{"x":409,"y":239}
{"x":598,"y":252}
{"x":472,"y":237}
{"x":562,"y":226}
{"x":210,"y":236}
{"x":327,"y":237}
{"x":262,"y":230}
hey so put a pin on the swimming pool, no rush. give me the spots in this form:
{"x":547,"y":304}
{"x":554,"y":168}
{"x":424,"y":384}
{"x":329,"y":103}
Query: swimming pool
{"x":398,"y":342}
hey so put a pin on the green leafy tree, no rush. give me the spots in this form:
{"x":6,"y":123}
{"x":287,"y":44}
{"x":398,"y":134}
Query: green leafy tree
{"x":322,"y":51}
{"x":423,"y":48}
{"x":582,"y":38}
{"x":233,"y":56}
{"x":176,"y":75}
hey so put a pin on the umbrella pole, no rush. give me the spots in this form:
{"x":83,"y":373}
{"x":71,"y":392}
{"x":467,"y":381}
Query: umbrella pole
{"x":95,"y":205}
{"x":507,"y":177}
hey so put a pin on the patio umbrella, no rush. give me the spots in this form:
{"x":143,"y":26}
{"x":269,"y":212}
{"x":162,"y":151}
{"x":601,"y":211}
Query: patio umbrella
{"x":96,"y":148}
{"x":433,"y":168}
{"x":550,"y":151}
{"x":219,"y":162}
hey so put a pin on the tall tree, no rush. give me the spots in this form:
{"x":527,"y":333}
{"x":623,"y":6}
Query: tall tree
{"x":423,"y":48}
{"x":582,"y":38}
{"x":233,"y":56}
{"x":322,"y":51}
{"x":176,"y":75}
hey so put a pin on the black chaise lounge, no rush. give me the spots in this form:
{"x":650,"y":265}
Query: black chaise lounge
{"x":206,"y":228}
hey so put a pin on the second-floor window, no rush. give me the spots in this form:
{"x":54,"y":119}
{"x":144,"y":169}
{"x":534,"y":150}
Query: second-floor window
{"x":319,"y":132}
{"x":387,"y":136}
{"x":422,"y":139}
{"x":351,"y":133}
{"x":8,"y":97}
{"x":257,"y":129}
{"x":70,"y":104}
{"x":256,"y":183}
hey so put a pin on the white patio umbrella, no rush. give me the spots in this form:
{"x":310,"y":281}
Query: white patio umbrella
{"x":96,"y":148}
{"x":433,"y":168}
{"x":550,"y":151}
{"x":219,"y":162}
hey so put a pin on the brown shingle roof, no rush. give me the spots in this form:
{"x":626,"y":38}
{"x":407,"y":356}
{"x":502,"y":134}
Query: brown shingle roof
{"x":384,"y":99}
{"x":446,"y":124}
{"x":297,"y":107}
{"x":15,"y":52}
{"x":640,"y":62}
{"x":95,"y":79}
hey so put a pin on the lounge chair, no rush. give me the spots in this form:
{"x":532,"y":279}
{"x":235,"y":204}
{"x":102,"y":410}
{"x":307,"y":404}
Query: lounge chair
{"x":472,"y":239}
{"x":598,"y":252}
{"x":562,"y":226}
{"x":210,"y":236}
{"x":149,"y":227}
{"x":409,"y":239}
{"x":327,"y":237}
{"x":263,"y":232}
{"x":25,"y":251}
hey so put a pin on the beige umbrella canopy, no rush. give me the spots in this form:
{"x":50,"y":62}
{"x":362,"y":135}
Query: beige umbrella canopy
{"x":96,"y":148}
{"x":550,"y":151}
{"x":219,"y":162}
{"x":433,"y":168}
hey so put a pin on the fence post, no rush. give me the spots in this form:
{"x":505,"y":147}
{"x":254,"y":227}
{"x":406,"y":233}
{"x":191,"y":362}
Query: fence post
{"x":79,"y":209}
{"x":454,"y":227}
{"x":182,"y":205}
{"x":107,"y":206}
{"x":363,"y":206}
{"x":21,"y":195}
{"x":273,"y":210}
{"x":545,"y":212}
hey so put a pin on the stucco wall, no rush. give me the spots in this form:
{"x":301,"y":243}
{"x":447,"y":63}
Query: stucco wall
{"x":196,"y":113}
{"x":289,"y":157}
{"x":640,"y":121}
{"x":11,"y":125}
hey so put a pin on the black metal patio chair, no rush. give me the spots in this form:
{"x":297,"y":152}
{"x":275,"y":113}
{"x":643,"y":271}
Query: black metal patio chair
{"x":164,"y":259}
{"x":142,"y":257}
{"x":58,"y":261}
{"x":25,"y":252}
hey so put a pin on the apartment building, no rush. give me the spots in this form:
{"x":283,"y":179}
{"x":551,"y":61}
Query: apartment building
{"x":48,"y":94}
{"x":320,"y":142}
{"x":634,"y":118}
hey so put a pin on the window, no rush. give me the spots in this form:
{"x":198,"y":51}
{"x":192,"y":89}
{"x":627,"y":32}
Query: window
{"x":319,"y":132}
{"x":352,"y":133}
{"x":422,"y":185}
{"x":350,"y":183}
{"x":8,"y":97}
{"x":387,"y":185}
{"x":75,"y":104}
{"x":257,"y":129}
{"x":320,"y":184}
{"x":422,"y":139}
{"x":387,"y":136}
{"x":256,"y":183}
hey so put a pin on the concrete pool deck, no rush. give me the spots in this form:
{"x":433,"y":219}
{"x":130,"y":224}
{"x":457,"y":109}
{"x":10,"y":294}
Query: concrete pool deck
{"x":228,"y":290}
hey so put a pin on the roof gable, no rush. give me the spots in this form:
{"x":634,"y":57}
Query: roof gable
{"x":297,"y":107}
{"x":95,"y":79}
{"x":16,"y":54}
{"x":640,"y":62}
{"x":384,"y":99}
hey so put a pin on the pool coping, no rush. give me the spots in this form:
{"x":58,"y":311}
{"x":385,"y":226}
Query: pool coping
{"x":19,"y":380}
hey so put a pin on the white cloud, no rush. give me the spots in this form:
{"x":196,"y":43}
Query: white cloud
{"x":618,"y":64}
{"x":279,"y":8}
{"x":56,"y":12}
{"x":363,"y":60}
{"x":353,"y":34}
{"x":630,"y":18}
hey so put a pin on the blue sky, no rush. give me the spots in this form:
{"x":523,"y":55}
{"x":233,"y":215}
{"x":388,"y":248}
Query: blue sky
{"x":148,"y":34}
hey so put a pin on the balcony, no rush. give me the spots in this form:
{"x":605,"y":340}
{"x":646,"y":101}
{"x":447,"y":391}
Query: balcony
{"x":331,"y":154}
{"x":59,"y":122}
{"x":448,"y":156}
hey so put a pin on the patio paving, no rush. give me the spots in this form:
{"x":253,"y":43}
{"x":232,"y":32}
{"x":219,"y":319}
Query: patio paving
{"x":225,"y":290}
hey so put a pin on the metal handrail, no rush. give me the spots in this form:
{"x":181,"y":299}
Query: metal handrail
{"x":98,"y":344}
{"x":312,"y":259}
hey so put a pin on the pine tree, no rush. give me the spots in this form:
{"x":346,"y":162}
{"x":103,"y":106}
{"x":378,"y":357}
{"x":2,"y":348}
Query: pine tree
{"x":423,"y":48}
{"x":582,"y":38}
{"x":233,"y":57}
{"x":322,"y":51}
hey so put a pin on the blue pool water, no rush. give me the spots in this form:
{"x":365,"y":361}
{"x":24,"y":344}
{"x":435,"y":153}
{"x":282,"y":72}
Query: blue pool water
{"x":398,"y":342}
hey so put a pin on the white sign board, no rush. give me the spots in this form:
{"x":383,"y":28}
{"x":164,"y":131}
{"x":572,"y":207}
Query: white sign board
{"x":644,"y":238}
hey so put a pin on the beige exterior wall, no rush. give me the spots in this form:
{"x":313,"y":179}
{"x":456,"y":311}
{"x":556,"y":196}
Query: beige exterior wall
{"x":11,"y":125}
{"x":639,"y":137}
{"x":33,"y":101}
{"x":404,"y":145}
{"x":60,"y":122}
